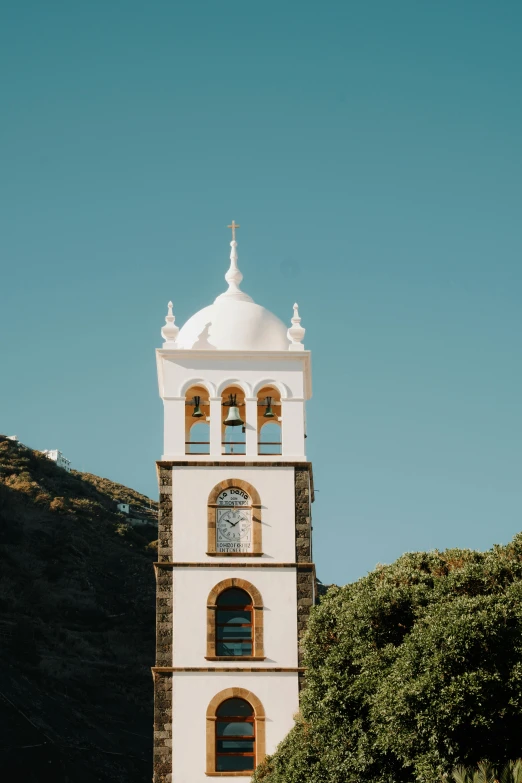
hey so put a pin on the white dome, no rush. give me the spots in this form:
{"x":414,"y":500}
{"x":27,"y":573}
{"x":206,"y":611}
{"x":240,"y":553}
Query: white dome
{"x":232,"y":324}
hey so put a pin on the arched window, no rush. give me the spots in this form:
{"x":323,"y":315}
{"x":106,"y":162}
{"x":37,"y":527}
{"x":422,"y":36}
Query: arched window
{"x":234,"y":520}
{"x":199,"y":438}
{"x":197,"y":416}
{"x":269,"y":420}
{"x":234,"y":623}
{"x":235,"y":732}
{"x":235,"y":736}
{"x":270,"y":438}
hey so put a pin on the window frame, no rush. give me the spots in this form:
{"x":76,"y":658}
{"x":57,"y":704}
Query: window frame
{"x":211,"y":730}
{"x":258,"y":652}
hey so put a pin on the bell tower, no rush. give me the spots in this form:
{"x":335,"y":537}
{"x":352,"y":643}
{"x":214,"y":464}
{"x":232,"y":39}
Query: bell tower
{"x":235,"y":577}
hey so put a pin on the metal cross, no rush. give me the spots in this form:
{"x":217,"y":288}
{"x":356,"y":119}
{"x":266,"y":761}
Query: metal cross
{"x":233,"y":226}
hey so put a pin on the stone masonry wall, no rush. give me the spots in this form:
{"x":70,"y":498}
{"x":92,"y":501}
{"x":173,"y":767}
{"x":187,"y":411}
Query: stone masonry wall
{"x":162,"y":727}
{"x":164,"y":624}
{"x":165,"y":515}
{"x":303,"y":552}
{"x":164,"y":615}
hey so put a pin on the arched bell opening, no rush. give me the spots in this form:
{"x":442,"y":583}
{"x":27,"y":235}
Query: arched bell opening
{"x":233,"y":428}
{"x":269,"y":440}
{"x":197,"y":418}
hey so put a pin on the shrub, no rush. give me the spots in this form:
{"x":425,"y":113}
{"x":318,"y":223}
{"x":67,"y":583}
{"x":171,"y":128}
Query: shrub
{"x":412,"y":670}
{"x":485,"y":772}
{"x":59,"y":504}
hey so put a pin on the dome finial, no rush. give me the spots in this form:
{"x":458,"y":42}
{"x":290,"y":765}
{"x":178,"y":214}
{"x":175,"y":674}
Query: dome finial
{"x":233,"y":275}
{"x":233,"y":226}
{"x":170,"y":330}
{"x":296,"y":332}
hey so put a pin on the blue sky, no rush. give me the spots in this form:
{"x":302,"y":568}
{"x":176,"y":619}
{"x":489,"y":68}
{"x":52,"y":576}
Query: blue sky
{"x":371,"y":152}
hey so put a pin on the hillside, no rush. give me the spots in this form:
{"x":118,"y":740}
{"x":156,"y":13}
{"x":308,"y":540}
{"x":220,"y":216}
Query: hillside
{"x":76,"y":626}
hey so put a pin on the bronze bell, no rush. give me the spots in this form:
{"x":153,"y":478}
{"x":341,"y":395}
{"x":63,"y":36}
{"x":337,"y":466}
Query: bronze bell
{"x":233,"y":418}
{"x":269,"y":413}
{"x":198,"y":413}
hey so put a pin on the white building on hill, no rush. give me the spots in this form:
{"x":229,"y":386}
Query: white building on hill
{"x":58,"y":457}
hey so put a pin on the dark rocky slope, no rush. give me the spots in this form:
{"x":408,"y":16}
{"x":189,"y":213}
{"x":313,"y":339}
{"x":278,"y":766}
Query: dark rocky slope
{"x":76,"y":626}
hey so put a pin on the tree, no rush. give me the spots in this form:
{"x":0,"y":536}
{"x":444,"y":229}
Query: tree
{"x":485,"y":772}
{"x":411,"y":671}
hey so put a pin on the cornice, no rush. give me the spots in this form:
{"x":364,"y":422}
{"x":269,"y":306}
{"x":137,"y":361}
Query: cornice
{"x":219,"y":564}
{"x":228,"y":669}
{"x":202,"y":354}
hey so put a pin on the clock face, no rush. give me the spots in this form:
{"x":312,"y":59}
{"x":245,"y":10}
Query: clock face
{"x":233,"y":523}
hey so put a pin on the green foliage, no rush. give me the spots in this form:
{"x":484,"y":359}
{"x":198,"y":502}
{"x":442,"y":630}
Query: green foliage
{"x":485,"y":772}
{"x":139,"y":537}
{"x":411,"y":671}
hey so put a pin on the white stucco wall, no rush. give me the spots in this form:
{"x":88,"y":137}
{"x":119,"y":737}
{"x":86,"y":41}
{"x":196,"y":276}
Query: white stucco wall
{"x":279,"y":592}
{"x":191,"y":695}
{"x":290,"y":372}
{"x":217,"y":370}
{"x":191,"y":487}
{"x":192,"y":691}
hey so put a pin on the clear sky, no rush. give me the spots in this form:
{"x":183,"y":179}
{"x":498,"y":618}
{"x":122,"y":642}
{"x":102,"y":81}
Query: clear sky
{"x":371,"y":152}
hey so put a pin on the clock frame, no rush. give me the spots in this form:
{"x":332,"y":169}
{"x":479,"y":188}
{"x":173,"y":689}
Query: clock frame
{"x":234,"y":520}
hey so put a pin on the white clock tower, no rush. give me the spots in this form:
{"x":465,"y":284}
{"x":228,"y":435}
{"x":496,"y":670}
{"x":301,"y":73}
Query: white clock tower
{"x":235,"y":577}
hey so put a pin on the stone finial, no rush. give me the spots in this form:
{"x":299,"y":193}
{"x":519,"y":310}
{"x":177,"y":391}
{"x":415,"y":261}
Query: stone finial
{"x":233,"y":275}
{"x":170,"y":330}
{"x":296,"y":332}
